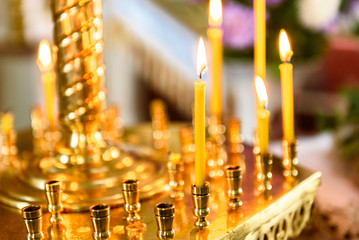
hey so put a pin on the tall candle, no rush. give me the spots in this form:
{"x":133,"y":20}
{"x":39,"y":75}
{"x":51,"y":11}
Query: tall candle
{"x":286,"y":76}
{"x":199,"y":117}
{"x":263,"y":115}
{"x":215,"y":36}
{"x":48,"y":76}
{"x":7,"y":122}
{"x":260,"y":38}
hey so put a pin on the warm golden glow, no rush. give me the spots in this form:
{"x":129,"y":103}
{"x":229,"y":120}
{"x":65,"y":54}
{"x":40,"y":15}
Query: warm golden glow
{"x":44,"y":57}
{"x":201,"y":58}
{"x":284,"y":47}
{"x":215,"y":13}
{"x":261,"y":92}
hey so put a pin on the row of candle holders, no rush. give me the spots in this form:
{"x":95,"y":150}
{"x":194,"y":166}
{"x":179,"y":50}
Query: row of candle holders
{"x":164,"y":212}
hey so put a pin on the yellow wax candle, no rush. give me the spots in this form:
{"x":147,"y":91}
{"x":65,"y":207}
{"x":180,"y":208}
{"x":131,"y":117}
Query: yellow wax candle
{"x":199,"y":117}
{"x":260,"y":38}
{"x":215,"y":36}
{"x":7,"y":121}
{"x":48,"y":76}
{"x":286,"y":75}
{"x":263,"y":115}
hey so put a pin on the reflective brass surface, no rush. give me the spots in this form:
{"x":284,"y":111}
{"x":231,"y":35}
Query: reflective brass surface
{"x":234,"y":180}
{"x":131,"y":193}
{"x":165,"y":213}
{"x":290,"y":161}
{"x":53,"y":191}
{"x":33,"y":221}
{"x":253,"y":220}
{"x":263,"y":179}
{"x":100,"y":217}
{"x":201,"y":210}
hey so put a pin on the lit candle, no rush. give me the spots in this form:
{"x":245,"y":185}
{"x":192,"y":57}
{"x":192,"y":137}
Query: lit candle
{"x":260,"y":38}
{"x":199,"y":116}
{"x":45,"y":63}
{"x":286,"y":75}
{"x":215,"y":36}
{"x":263,"y":115}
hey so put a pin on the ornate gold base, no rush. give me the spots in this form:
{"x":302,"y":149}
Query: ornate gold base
{"x":83,"y":185}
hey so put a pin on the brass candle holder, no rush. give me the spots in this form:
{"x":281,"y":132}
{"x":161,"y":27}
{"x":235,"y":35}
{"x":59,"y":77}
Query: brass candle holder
{"x":200,"y":196}
{"x":131,"y":194}
{"x":176,"y":179}
{"x":263,"y":167}
{"x":234,"y":181}
{"x":100,"y":217}
{"x":53,"y":190}
{"x":33,"y":221}
{"x":165,"y":213}
{"x":290,"y":161}
{"x":159,"y":125}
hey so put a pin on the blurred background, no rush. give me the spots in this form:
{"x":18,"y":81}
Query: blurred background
{"x":150,"y":53}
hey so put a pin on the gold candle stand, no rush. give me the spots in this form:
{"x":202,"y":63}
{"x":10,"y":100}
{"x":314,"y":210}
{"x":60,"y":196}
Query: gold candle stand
{"x":263,"y":168}
{"x":200,"y":196}
{"x":33,"y":221}
{"x":53,"y":192}
{"x":176,"y":179}
{"x":290,"y":161}
{"x":131,"y":193}
{"x":234,"y":181}
{"x":100,"y":217}
{"x":165,"y":213}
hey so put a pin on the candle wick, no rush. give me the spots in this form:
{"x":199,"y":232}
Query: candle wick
{"x":204,"y":68}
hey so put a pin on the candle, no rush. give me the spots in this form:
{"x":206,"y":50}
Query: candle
{"x":7,"y":121}
{"x":199,"y":117}
{"x":286,"y":76}
{"x":260,"y":38}
{"x":45,"y":64}
{"x":215,"y":36}
{"x":263,"y":115}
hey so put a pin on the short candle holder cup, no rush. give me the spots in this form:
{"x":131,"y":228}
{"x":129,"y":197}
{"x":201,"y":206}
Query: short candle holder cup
{"x":165,"y":213}
{"x":100,"y":217}
{"x":200,"y":197}
{"x":290,"y":161}
{"x":234,"y":181}
{"x":33,"y":221}
{"x":53,"y":191}
{"x":131,"y":194}
{"x":263,"y":166}
{"x":176,"y":179}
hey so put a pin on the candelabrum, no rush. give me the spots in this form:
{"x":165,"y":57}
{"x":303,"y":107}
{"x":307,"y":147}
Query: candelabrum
{"x":100,"y":218}
{"x":131,"y":193}
{"x":176,"y":179}
{"x":234,"y":181}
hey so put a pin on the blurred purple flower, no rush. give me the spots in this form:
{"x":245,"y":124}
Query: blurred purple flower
{"x":238,"y":26}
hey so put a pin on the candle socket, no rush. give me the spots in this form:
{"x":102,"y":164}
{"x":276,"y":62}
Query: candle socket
{"x":290,"y":160}
{"x":234,"y":181}
{"x":165,"y":213}
{"x":216,"y":129}
{"x":131,"y":194}
{"x":100,"y":217}
{"x":53,"y":191}
{"x":33,"y":221}
{"x":200,"y":197}
{"x":263,"y":166}
{"x":176,"y":179}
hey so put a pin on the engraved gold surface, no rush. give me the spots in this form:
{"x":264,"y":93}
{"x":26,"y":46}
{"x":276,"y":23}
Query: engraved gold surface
{"x":284,"y":215}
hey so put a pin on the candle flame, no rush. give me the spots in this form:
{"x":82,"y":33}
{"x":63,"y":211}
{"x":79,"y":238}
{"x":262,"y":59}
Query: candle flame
{"x":201,"y":58}
{"x":284,"y":47}
{"x":261,"y":92}
{"x":44,"y":57}
{"x":215,"y":13}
